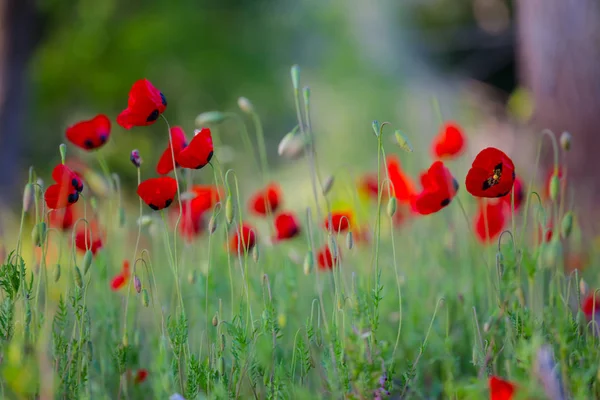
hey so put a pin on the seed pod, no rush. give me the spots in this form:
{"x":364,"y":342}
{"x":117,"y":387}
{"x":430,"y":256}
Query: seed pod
{"x":56,"y":272}
{"x":567,"y":225}
{"x":229,"y":210}
{"x":349,"y":240}
{"x":38,"y":234}
{"x":62,"y":149}
{"x":87,"y":261}
{"x":554,"y":186}
{"x":391,"y":206}
{"x":245,"y":105}
{"x":145,"y":298}
{"x":209,"y":117}
{"x":215,"y":320}
{"x":402,"y":141}
{"x":121,"y":217}
{"x":565,"y":141}
{"x":376,"y":127}
{"x":137,"y":284}
{"x":255,"y":253}
{"x":212,"y":225}
{"x":27,"y":197}
{"x":77,"y":277}
{"x":308,"y":263}
{"x":295,"y":73}
{"x":328,"y":184}
{"x":192,"y":277}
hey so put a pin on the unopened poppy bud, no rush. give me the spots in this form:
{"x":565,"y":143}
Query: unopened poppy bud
{"x":308,"y":263}
{"x":27,"y":197}
{"x":376,"y":127}
{"x":212,"y":225}
{"x":565,"y":141}
{"x":583,"y":287}
{"x":295,"y":73}
{"x":192,"y":277}
{"x":144,"y":220}
{"x":56,"y":272}
{"x":62,"y":149}
{"x":328,"y":184}
{"x":209,"y":117}
{"x":229,"y":210}
{"x":215,"y":320}
{"x":391,"y":206}
{"x":567,"y":225}
{"x":40,"y":183}
{"x":121,"y":217}
{"x":87,"y":261}
{"x":145,"y":298}
{"x":349,"y":240}
{"x":554,"y":186}
{"x":402,"y":141}
{"x":245,"y":105}
{"x":77,"y":277}
{"x":333,"y":247}
{"x":135,"y":158}
{"x":292,"y":145}
{"x":137,"y":284}
{"x":255,"y":253}
{"x":38,"y":234}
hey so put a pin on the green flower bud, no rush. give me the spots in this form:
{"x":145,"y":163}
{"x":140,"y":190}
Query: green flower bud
{"x":229,"y":210}
{"x":376,"y":127}
{"x":56,"y":272}
{"x":349,"y":240}
{"x":554,"y":186}
{"x":402,"y":141}
{"x":145,"y":298}
{"x":295,"y":73}
{"x":567,"y":225}
{"x":77,"y":277}
{"x":391,"y":206}
{"x":62,"y":149}
{"x":209,"y":117}
{"x":87,"y":261}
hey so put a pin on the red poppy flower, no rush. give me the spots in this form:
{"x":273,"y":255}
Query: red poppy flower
{"x":140,"y":376}
{"x":199,"y":152}
{"x":194,"y":209}
{"x":495,"y":221}
{"x":439,"y":188}
{"x":84,"y":242}
{"x":367,"y":185}
{"x":501,"y":389}
{"x":267,"y":200}
{"x":449,"y":142}
{"x":590,"y":305}
{"x":158,"y":193}
{"x":65,"y":191}
{"x":286,"y":226}
{"x":340,"y":220}
{"x":206,"y":195}
{"x":243,"y":239}
{"x":403,"y":187}
{"x":325,"y":259}
{"x":518,"y":189}
{"x":165,"y":163}
{"x":120,"y":280}
{"x":491,"y":175}
{"x":61,"y":219}
{"x":90,"y":134}
{"x":144,"y":106}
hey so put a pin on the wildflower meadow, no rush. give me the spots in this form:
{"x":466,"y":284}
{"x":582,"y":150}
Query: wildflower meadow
{"x":462,"y":282}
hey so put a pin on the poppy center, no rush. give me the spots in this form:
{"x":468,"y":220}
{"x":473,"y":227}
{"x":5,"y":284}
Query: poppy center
{"x":494,"y":179}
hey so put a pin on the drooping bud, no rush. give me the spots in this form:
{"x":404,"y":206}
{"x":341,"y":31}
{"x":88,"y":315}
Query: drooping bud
{"x":295,"y":73}
{"x":38,"y":234}
{"x":566,"y":225}
{"x":137,"y":284}
{"x":328,"y":184}
{"x":27,"y":197}
{"x":77,"y":277}
{"x":554,"y":186}
{"x":308,"y":263}
{"x":212,"y":225}
{"x":333,"y":247}
{"x":62,"y":149}
{"x":144,"y":220}
{"x":229,"y":210}
{"x":376,"y":127}
{"x":87,"y":261}
{"x":292,"y":145}
{"x":145,"y":298}
{"x":135,"y":158}
{"x":215,"y":320}
{"x":209,"y":117}
{"x":349,"y":240}
{"x":245,"y":105}
{"x":56,"y":272}
{"x":391,"y":206}
{"x":565,"y":141}
{"x":403,"y":141}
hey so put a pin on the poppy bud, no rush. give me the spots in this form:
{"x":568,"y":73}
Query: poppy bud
{"x":554,"y":186}
{"x":212,"y":225}
{"x":209,"y":117}
{"x":38,"y":234}
{"x":145,"y":298}
{"x":308,"y":263}
{"x":121,"y":217}
{"x":137,"y":284}
{"x":144,"y":220}
{"x":295,"y":72}
{"x":77,"y":277}
{"x":567,"y":225}
{"x":62,"y":149}
{"x":87,"y":261}
{"x":56,"y":272}
{"x":349,"y":240}
{"x":292,"y":145}
{"x":255,"y":253}
{"x":229,"y":210}
{"x":306,"y":93}
{"x":565,"y":141}
{"x":583,"y":287}
{"x":328,"y":184}
{"x":391,"y":206}
{"x":135,"y":158}
{"x":402,"y":141}
{"x":215,"y":320}
{"x":192,"y":277}
{"x":40,"y":183}
{"x":376,"y":127}
{"x":333,"y":247}
{"x":245,"y":105}
{"x":27,"y":197}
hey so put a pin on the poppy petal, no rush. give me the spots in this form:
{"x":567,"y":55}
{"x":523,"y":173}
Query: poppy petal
{"x":243,"y":240}
{"x":90,"y":134}
{"x":199,"y":152}
{"x":158,"y":193}
{"x":145,"y":104}
{"x":286,"y":226}
{"x":500,"y":389}
{"x":449,"y":142}
{"x":118,"y":282}
{"x":165,"y":163}
{"x":494,"y":214}
{"x":266,"y":201}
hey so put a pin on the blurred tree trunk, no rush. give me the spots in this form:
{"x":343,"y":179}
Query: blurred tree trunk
{"x":559,"y":61}
{"x":19,"y":32}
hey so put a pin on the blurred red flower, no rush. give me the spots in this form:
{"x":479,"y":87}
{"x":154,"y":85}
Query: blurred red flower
{"x":61,"y":219}
{"x":403,"y":188}
{"x":120,"y":280}
{"x":341,"y":221}
{"x":286,"y":226}
{"x":90,"y":134}
{"x":519,"y":190}
{"x":243,"y":240}
{"x":325,"y":259}
{"x":146,"y":103}
{"x":266,"y":201}
{"x":65,"y":192}
{"x":165,"y":163}
{"x":590,"y":305}
{"x":158,"y":193}
{"x":88,"y":239}
{"x":495,"y":213}
{"x":449,"y":142}
{"x":199,"y":151}
{"x":501,"y":389}
{"x":439,"y":188}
